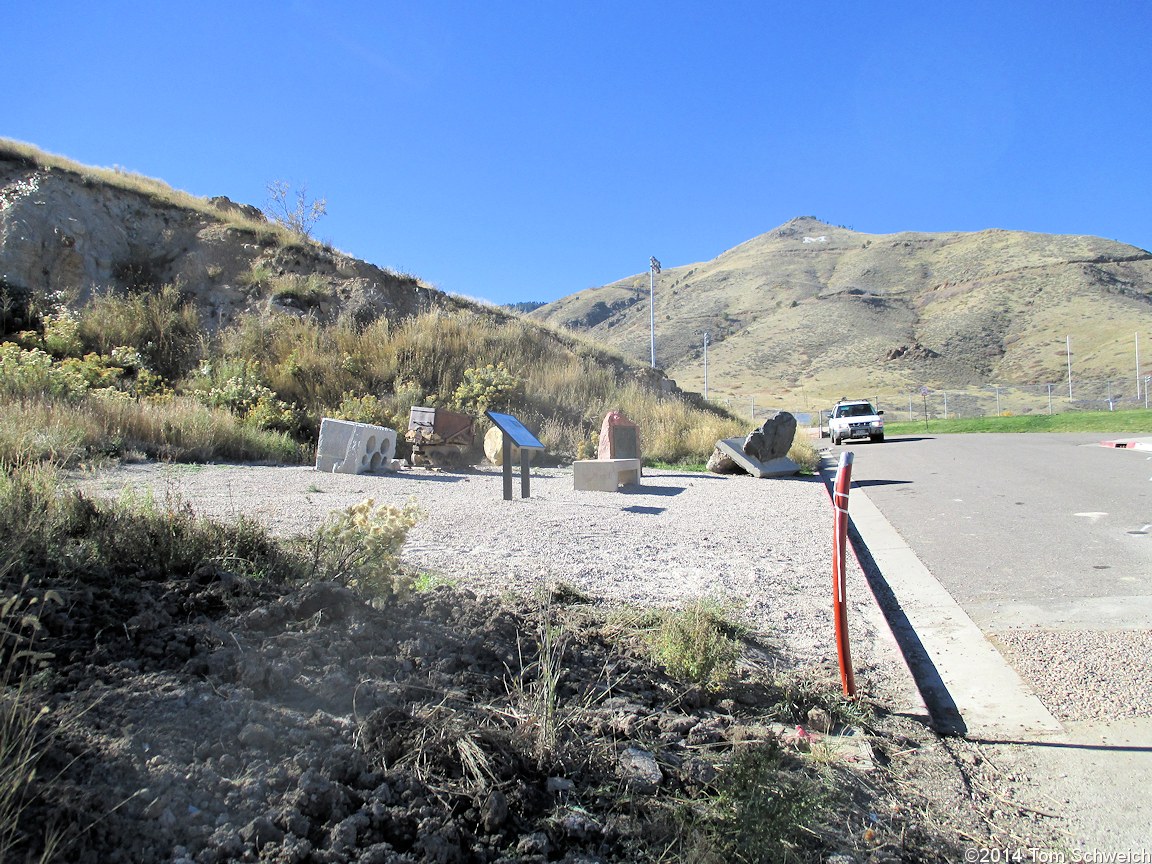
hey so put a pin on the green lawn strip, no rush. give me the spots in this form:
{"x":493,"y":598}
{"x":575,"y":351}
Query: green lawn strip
{"x":1121,"y":422}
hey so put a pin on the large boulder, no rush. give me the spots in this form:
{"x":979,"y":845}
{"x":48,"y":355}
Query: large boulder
{"x":494,"y":448}
{"x":773,"y":439}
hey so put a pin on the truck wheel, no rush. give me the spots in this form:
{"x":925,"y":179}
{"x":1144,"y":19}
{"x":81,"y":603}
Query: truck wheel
{"x":876,"y":439}
{"x":835,"y":440}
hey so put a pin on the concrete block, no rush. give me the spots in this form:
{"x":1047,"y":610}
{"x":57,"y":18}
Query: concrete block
{"x":780,"y":467}
{"x":354,"y":448}
{"x":604,"y":475}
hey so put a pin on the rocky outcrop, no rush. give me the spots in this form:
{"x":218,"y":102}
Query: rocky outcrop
{"x":64,"y":235}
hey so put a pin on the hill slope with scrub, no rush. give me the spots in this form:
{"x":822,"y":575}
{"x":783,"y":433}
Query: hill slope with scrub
{"x":136,"y":317}
{"x":831,"y":310}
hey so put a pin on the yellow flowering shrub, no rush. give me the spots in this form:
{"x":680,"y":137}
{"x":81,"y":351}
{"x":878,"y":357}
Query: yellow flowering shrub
{"x":360,"y":547}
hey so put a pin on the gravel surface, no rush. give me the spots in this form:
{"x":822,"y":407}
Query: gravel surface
{"x":1084,"y":674}
{"x":762,"y":546}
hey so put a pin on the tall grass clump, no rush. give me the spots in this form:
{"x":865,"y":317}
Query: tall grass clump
{"x":176,"y":429}
{"x":162,"y":325}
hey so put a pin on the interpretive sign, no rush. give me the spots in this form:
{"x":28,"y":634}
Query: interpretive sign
{"x":515,"y":433}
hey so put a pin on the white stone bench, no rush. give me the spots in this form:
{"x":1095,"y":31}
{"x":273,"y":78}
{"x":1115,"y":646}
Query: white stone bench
{"x":604,"y":475}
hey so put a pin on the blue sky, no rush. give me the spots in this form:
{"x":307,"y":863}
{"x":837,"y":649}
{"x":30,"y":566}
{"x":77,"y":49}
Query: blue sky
{"x":527,"y":150}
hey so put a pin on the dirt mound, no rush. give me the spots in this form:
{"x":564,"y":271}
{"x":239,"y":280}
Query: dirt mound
{"x":224,"y":721}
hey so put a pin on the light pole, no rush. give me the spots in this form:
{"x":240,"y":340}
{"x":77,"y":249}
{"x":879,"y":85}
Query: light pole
{"x":1068,"y":349}
{"x":705,"y":365}
{"x":653,"y":269}
{"x":997,"y":386}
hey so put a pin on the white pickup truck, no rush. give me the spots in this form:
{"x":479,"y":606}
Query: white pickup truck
{"x":855,"y":418}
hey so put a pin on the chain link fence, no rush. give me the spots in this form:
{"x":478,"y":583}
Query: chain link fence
{"x":989,"y":400}
{"x":1005,"y":400}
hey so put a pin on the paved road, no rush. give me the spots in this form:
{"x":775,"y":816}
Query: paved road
{"x":1049,"y":530}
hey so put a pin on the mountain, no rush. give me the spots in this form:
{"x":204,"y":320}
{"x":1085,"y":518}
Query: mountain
{"x":832,"y":311}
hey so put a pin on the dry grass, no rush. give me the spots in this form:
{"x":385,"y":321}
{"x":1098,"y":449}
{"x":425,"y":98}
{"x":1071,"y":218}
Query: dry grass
{"x":178,"y":429}
{"x":568,"y":386}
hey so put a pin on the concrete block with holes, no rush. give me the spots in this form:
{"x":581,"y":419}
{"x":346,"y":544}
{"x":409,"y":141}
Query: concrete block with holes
{"x":354,"y":448}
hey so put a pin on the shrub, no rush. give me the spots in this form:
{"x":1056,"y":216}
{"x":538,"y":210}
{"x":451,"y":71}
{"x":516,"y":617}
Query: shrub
{"x":363,"y":409}
{"x":25,"y":373}
{"x":488,"y":387}
{"x":246,"y":396}
{"x":360,"y":546}
{"x":294,"y":210}
{"x":62,"y":333}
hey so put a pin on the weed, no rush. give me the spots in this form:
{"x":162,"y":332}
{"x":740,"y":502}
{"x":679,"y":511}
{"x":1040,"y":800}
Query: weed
{"x":257,"y":277}
{"x":801,"y":690}
{"x":424,"y":582}
{"x":359,"y":547}
{"x":768,"y":807}
{"x":695,"y":643}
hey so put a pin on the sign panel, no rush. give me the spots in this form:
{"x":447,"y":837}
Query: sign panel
{"x":515,"y":430}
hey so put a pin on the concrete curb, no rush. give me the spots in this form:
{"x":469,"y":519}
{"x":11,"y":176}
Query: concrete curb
{"x":1129,"y":444}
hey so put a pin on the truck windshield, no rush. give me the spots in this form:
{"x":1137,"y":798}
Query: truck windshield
{"x":856,"y":410}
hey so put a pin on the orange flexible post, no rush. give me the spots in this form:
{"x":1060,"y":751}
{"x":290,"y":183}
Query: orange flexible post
{"x":839,"y":545}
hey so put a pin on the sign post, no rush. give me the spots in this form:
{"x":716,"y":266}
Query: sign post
{"x":515,"y":433}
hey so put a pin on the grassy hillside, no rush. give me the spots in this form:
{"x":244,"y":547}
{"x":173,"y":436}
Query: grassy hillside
{"x":240,"y":359}
{"x":833,"y":311}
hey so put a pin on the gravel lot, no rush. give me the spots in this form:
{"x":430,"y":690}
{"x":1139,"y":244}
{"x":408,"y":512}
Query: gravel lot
{"x":762,"y":546}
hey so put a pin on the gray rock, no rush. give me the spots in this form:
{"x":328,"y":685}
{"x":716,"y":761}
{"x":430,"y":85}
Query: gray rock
{"x":773,"y":439}
{"x":721,"y":463}
{"x":640,"y":770}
